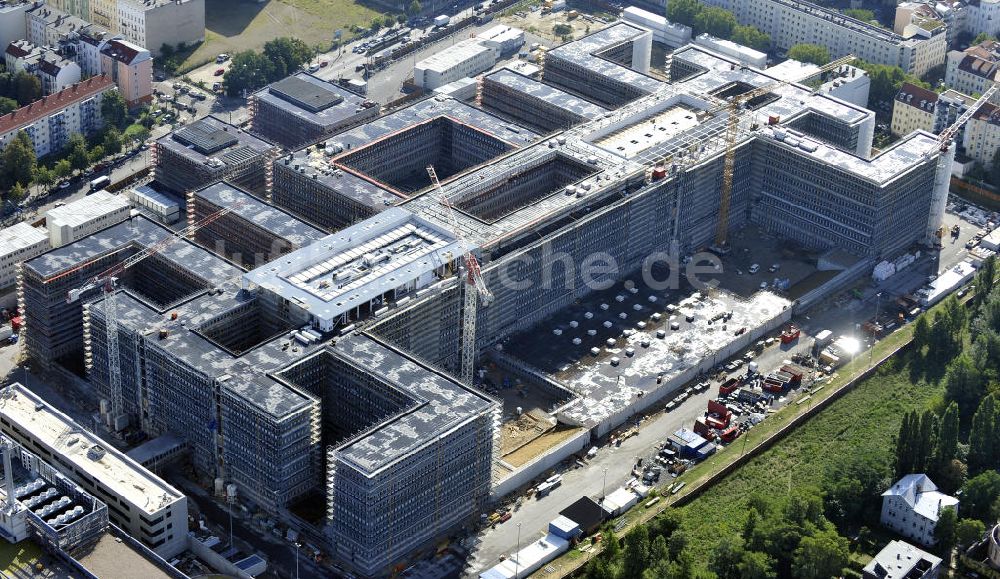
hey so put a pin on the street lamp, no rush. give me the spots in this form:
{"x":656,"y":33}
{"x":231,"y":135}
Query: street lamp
{"x":517,"y":557}
{"x":604,"y":484}
{"x":297,"y":545}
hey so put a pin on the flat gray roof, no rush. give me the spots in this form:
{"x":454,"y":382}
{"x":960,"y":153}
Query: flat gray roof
{"x":546,"y":93}
{"x":268,"y":217}
{"x":369,"y":192}
{"x":211,"y":137}
{"x":582,"y":53}
{"x":137,"y":231}
{"x":440,"y":404}
{"x":355,"y":265}
{"x":312,"y":99}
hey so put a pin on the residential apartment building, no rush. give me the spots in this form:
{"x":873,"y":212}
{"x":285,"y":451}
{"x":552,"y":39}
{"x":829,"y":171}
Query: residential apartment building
{"x":18,"y":243}
{"x":153,"y":23}
{"x":49,"y":26}
{"x":911,"y":17}
{"x":139,"y":502}
{"x":148,"y":23}
{"x":981,"y":138}
{"x":131,"y":67}
{"x":913,"y":109}
{"x":52,"y":70}
{"x":12,"y":23}
{"x":791,"y":22}
{"x":901,"y":560}
{"x":50,"y":120}
{"x":84,"y":216}
{"x":984,"y":16}
{"x":912,"y":506}
{"x":975,"y":69}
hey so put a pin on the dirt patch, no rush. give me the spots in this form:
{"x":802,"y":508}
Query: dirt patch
{"x":524,"y":429}
{"x":540,"y":445}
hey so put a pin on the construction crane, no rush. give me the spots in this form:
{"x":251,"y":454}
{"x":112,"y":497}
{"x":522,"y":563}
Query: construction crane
{"x":948,"y":135}
{"x":107,"y":281}
{"x":734,"y":108}
{"x":474,"y":288}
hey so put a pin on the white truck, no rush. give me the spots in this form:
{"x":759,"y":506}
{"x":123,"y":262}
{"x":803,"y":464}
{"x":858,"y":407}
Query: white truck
{"x":442,"y":21}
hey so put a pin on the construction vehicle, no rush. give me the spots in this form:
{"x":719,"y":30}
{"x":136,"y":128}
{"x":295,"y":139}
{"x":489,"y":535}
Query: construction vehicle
{"x":107,"y":281}
{"x":473,"y":289}
{"x":790,"y":334}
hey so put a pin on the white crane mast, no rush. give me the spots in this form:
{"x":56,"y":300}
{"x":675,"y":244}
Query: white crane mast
{"x":474,"y":287}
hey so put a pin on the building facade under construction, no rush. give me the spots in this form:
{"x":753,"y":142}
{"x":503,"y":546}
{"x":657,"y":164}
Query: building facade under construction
{"x":332,"y":367}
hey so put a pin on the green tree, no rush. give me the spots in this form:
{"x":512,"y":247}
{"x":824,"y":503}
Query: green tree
{"x":726,"y":558}
{"x":248,"y":71}
{"x":658,"y":550}
{"x":716,"y":21}
{"x":683,"y":11}
{"x":964,"y":384}
{"x":982,"y":438}
{"x":112,"y":141}
{"x":78,"y":157}
{"x":414,"y":8}
{"x":17,"y":193}
{"x":286,"y":55}
{"x":756,"y":565}
{"x":18,"y":161}
{"x":113,"y":109}
{"x":968,"y":531}
{"x":905,"y":445}
{"x":921,"y":333}
{"x":7,"y":105}
{"x":612,"y":549}
{"x":27,"y":88}
{"x":62,"y":169}
{"x":376,"y":24}
{"x":821,"y":556}
{"x":947,"y":441}
{"x":96,"y":153}
{"x":562,"y":30}
{"x":166,"y":50}
{"x":44,"y":176}
{"x":944,"y":532}
{"x":752,"y":37}
{"x":860,"y":13}
{"x":814,"y":53}
{"x":979,"y":494}
{"x":886,"y":80}
{"x":676,"y":544}
{"x":982,"y":37}
{"x":635,"y":557}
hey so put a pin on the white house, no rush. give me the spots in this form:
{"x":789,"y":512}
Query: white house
{"x":912,"y":507}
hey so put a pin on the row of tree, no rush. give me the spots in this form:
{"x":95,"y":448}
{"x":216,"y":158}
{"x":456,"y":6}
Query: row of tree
{"x":17,"y":90}
{"x":716,"y":21}
{"x":250,"y":70}
{"x":782,"y":537}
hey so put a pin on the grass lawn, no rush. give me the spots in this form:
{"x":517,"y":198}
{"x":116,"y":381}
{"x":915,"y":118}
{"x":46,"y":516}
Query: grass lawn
{"x":863,"y":422}
{"x":18,"y":560}
{"x":235,"y":25}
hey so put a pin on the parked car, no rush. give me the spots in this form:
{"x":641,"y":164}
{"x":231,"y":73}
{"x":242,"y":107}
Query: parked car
{"x":64,"y":184}
{"x":219,"y":72}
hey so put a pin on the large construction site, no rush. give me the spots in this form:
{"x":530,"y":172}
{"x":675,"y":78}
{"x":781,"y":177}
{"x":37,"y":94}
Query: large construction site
{"x":425,"y":342}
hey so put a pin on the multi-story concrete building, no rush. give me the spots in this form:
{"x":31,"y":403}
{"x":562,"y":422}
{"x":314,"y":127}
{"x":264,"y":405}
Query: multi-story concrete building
{"x":913,"y":109}
{"x":791,"y":22}
{"x":533,"y":103}
{"x":365,"y":170}
{"x":981,"y":135}
{"x":209,"y":150}
{"x":901,"y":560}
{"x":912,"y":506}
{"x":52,"y":70}
{"x":912,"y":17}
{"x":18,"y":243}
{"x":346,"y":344}
{"x":253,"y":232}
{"x":12,"y":22}
{"x":50,"y":120}
{"x":847,"y":83}
{"x":141,"y":503}
{"x":131,"y":67}
{"x":466,"y":58}
{"x":302,"y":109}
{"x":984,"y":16}
{"x":85,"y":216}
{"x":52,"y":27}
{"x":153,"y":23}
{"x":974,"y":70}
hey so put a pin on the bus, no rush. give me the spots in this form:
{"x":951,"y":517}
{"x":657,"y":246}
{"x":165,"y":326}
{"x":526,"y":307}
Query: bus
{"x":100,"y":183}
